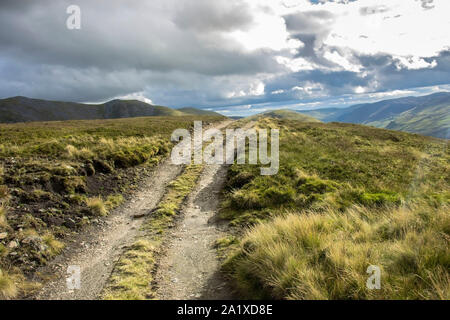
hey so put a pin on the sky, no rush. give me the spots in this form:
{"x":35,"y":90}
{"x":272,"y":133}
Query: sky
{"x":237,"y":57}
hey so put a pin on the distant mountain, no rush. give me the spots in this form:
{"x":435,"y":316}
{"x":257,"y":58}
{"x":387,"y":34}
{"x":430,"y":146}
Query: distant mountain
{"x":427,"y":115}
{"x":284,"y":114}
{"x":325,"y":114}
{"x":22,"y":109}
{"x":198,"y":112}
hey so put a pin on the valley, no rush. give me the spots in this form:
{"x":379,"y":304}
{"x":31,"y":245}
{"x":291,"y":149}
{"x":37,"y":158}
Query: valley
{"x":427,"y":115}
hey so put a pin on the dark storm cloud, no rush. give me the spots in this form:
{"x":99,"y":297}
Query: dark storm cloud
{"x":427,"y":4}
{"x":391,"y":77}
{"x":206,"y":16}
{"x":184,"y":52}
{"x":115,"y":39}
{"x":137,"y":41}
{"x":311,"y":28}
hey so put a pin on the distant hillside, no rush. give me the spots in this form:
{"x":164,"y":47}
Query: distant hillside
{"x":22,"y":109}
{"x":198,"y":112}
{"x":427,"y":115}
{"x":431,"y":121}
{"x":326,"y":114}
{"x":284,"y":114}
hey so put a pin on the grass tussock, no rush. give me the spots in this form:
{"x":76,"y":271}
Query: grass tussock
{"x":100,"y":207}
{"x":4,"y":194}
{"x":325,"y":255}
{"x":97,"y":206}
{"x":3,"y":219}
{"x":114,"y":201}
{"x":14,"y":284}
{"x":132,"y":276}
{"x":8,"y":288}
{"x":2,"y":172}
{"x":53,"y":246}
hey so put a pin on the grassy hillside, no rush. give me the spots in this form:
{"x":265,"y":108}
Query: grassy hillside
{"x":427,"y":115}
{"x":325,"y":114}
{"x":21,"y":109}
{"x":56,"y":177}
{"x":430,"y":121}
{"x":116,"y":109}
{"x":346,"y":197}
{"x":195,"y":111}
{"x":283,"y":114}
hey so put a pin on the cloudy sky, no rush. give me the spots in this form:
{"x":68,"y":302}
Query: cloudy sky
{"x":237,"y":57}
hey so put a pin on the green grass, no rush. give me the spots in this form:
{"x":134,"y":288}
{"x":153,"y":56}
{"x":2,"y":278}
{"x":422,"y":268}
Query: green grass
{"x":337,"y":206}
{"x":132,"y":276}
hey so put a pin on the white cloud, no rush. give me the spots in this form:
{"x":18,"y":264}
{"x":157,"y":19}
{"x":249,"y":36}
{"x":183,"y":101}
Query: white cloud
{"x":252,"y":89}
{"x":402,"y":28}
{"x":309,"y":89}
{"x":342,"y":61}
{"x":296,"y":64}
{"x":388,"y":94}
{"x":360,"y":89}
{"x":268,"y":31}
{"x":413,"y":63}
{"x":140,"y":96}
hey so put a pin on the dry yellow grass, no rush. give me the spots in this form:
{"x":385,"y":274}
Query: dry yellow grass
{"x":3,"y":220}
{"x":97,"y":206}
{"x":325,"y":255}
{"x":8,"y":288}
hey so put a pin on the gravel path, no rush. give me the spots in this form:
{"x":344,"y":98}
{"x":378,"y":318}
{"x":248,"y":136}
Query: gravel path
{"x":190,"y":268}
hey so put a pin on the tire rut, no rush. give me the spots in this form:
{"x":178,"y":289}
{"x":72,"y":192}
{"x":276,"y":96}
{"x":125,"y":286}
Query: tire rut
{"x":97,"y":248}
{"x":190,"y":267}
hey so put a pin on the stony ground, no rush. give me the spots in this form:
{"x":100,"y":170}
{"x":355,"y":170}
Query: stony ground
{"x":189,"y":268}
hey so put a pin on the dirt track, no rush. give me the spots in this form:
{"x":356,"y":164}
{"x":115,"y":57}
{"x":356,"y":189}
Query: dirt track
{"x":189,"y":268}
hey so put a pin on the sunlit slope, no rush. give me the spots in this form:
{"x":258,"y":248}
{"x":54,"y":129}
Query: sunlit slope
{"x":283,"y":114}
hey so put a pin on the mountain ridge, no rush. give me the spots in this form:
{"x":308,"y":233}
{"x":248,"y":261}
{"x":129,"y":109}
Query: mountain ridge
{"x":24,"y":109}
{"x":283,"y":114}
{"x":427,"y":115}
